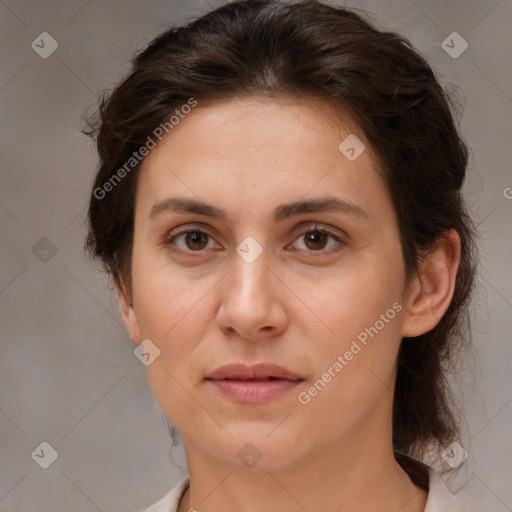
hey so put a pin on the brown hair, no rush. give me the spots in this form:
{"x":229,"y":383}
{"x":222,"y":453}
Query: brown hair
{"x":307,"y":49}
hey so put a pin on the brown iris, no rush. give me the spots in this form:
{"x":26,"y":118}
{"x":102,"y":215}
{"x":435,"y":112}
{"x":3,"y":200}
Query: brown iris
{"x":316,"y":238}
{"x":197,"y":240}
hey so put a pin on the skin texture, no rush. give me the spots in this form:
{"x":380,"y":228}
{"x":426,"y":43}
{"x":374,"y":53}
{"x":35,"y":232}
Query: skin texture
{"x":298,"y":304}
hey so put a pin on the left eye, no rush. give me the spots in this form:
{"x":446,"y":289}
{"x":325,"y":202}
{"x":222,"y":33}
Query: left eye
{"x":315,"y":240}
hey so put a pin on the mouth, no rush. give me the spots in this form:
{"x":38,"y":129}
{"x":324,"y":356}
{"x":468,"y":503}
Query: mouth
{"x":253,"y":380}
{"x":255,"y":384}
{"x":254,"y":391}
{"x":260,"y":371}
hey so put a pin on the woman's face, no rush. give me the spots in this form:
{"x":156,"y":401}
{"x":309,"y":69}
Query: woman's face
{"x":261,"y":284}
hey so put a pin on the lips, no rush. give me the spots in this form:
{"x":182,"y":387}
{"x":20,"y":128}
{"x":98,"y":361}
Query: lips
{"x":255,"y":384}
{"x":257,"y":372}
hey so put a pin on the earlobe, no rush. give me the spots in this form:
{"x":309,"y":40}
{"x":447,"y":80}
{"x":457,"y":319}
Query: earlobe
{"x":433,"y":288}
{"x":128,"y":313}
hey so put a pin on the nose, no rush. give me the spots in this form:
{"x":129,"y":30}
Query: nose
{"x":252,"y":304}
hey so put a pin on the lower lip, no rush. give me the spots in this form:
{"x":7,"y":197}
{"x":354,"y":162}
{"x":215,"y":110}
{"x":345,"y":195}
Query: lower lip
{"x":254,"y":392}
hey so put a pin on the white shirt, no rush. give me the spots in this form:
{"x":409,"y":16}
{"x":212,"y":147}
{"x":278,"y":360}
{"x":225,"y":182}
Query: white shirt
{"x":439,"y":497}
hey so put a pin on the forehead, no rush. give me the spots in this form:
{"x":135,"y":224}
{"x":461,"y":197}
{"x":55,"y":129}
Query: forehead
{"x":252,"y":151}
{"x":291,"y":126}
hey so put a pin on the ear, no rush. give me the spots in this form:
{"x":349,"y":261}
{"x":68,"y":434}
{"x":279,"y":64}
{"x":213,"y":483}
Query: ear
{"x":432,"y":290}
{"x":128,"y":311}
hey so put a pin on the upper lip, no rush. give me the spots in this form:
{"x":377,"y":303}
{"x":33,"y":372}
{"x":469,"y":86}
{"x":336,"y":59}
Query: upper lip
{"x":258,"y":371}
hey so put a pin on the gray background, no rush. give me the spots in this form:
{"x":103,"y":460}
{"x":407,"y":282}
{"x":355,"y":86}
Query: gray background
{"x":68,"y":375}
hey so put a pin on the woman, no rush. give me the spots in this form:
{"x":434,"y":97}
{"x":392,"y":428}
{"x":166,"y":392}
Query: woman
{"x":279,"y":206}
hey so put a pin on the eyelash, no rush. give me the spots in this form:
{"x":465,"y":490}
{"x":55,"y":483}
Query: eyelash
{"x":169,"y":241}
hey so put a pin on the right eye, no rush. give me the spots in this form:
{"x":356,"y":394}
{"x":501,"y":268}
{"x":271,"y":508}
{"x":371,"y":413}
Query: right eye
{"x":193,"y":240}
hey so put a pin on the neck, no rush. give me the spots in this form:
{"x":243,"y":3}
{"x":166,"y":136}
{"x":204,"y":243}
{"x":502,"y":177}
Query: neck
{"x":363,"y":477}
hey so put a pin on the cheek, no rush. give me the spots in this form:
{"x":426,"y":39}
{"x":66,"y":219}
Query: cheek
{"x":352,"y":297}
{"x":171,"y":313}
{"x":354,"y":367}
{"x":165,"y":295}
{"x":174,"y":319}
{"x":358,"y":318}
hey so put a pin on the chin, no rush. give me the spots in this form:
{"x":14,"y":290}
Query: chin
{"x":262,"y":449}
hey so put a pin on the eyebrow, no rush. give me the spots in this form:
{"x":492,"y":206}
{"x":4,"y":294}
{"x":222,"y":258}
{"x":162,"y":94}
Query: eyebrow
{"x":282,"y":212}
